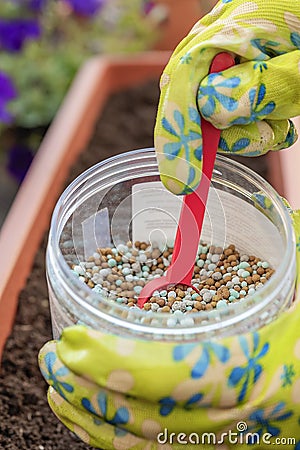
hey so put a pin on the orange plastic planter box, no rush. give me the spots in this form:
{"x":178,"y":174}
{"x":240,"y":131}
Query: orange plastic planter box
{"x":68,"y":135}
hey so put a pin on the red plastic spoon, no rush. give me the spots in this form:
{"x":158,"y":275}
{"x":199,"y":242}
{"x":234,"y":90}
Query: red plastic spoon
{"x":193,"y":208}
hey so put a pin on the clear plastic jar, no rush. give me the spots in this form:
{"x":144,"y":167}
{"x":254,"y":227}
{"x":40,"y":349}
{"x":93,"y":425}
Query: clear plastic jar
{"x":98,"y":206}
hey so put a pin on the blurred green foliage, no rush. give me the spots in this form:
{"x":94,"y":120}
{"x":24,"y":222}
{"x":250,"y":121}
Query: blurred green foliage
{"x":44,"y":68}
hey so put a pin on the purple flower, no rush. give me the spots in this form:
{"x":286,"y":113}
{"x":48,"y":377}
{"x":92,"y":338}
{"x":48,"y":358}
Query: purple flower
{"x":19,"y":159}
{"x":37,"y":5}
{"x":7,"y":93}
{"x":14,"y":32}
{"x":86,"y":7}
{"x":148,"y":6}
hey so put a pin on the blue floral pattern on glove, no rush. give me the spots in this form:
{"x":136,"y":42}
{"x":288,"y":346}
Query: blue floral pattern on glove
{"x":251,"y":372}
{"x":208,"y":350}
{"x":256,"y":97}
{"x":264,"y":421}
{"x":236,"y":147}
{"x":169,"y":403}
{"x":183,"y":139}
{"x":261,"y":65}
{"x":53,"y":375}
{"x":295,"y":39}
{"x":213,"y":93}
{"x":267,"y":48}
{"x":288,"y":375}
{"x":99,"y":409}
{"x":291,"y":136}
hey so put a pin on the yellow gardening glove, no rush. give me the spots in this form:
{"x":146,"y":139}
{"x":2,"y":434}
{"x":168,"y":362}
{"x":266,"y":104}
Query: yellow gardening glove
{"x":251,"y":102}
{"x":129,"y":393}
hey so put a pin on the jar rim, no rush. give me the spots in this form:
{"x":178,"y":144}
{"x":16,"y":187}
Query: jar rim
{"x":249,"y":307}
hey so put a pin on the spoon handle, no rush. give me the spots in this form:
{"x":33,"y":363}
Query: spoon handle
{"x":194,"y":204}
{"x":192,"y":210}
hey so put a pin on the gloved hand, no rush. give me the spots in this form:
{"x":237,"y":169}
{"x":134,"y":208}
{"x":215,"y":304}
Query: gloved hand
{"x":250,"y":102}
{"x":127,"y":393}
{"x":122,"y":393}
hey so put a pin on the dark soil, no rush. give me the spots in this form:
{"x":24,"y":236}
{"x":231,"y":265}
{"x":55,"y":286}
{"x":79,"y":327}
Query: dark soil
{"x":26,"y":421}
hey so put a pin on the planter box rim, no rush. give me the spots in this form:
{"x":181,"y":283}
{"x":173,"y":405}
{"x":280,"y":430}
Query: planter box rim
{"x":67,"y":136}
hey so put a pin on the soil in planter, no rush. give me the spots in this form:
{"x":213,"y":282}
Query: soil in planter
{"x":27,"y":422}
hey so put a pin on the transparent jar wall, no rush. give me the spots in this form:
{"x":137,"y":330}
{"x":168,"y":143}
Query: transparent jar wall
{"x":96,"y":210}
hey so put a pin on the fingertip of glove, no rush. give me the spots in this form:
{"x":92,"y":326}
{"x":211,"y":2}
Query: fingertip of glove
{"x":54,"y":399}
{"x":49,"y":346}
{"x":73,"y":333}
{"x":172,"y":185}
{"x":178,"y":175}
{"x":290,"y":137}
